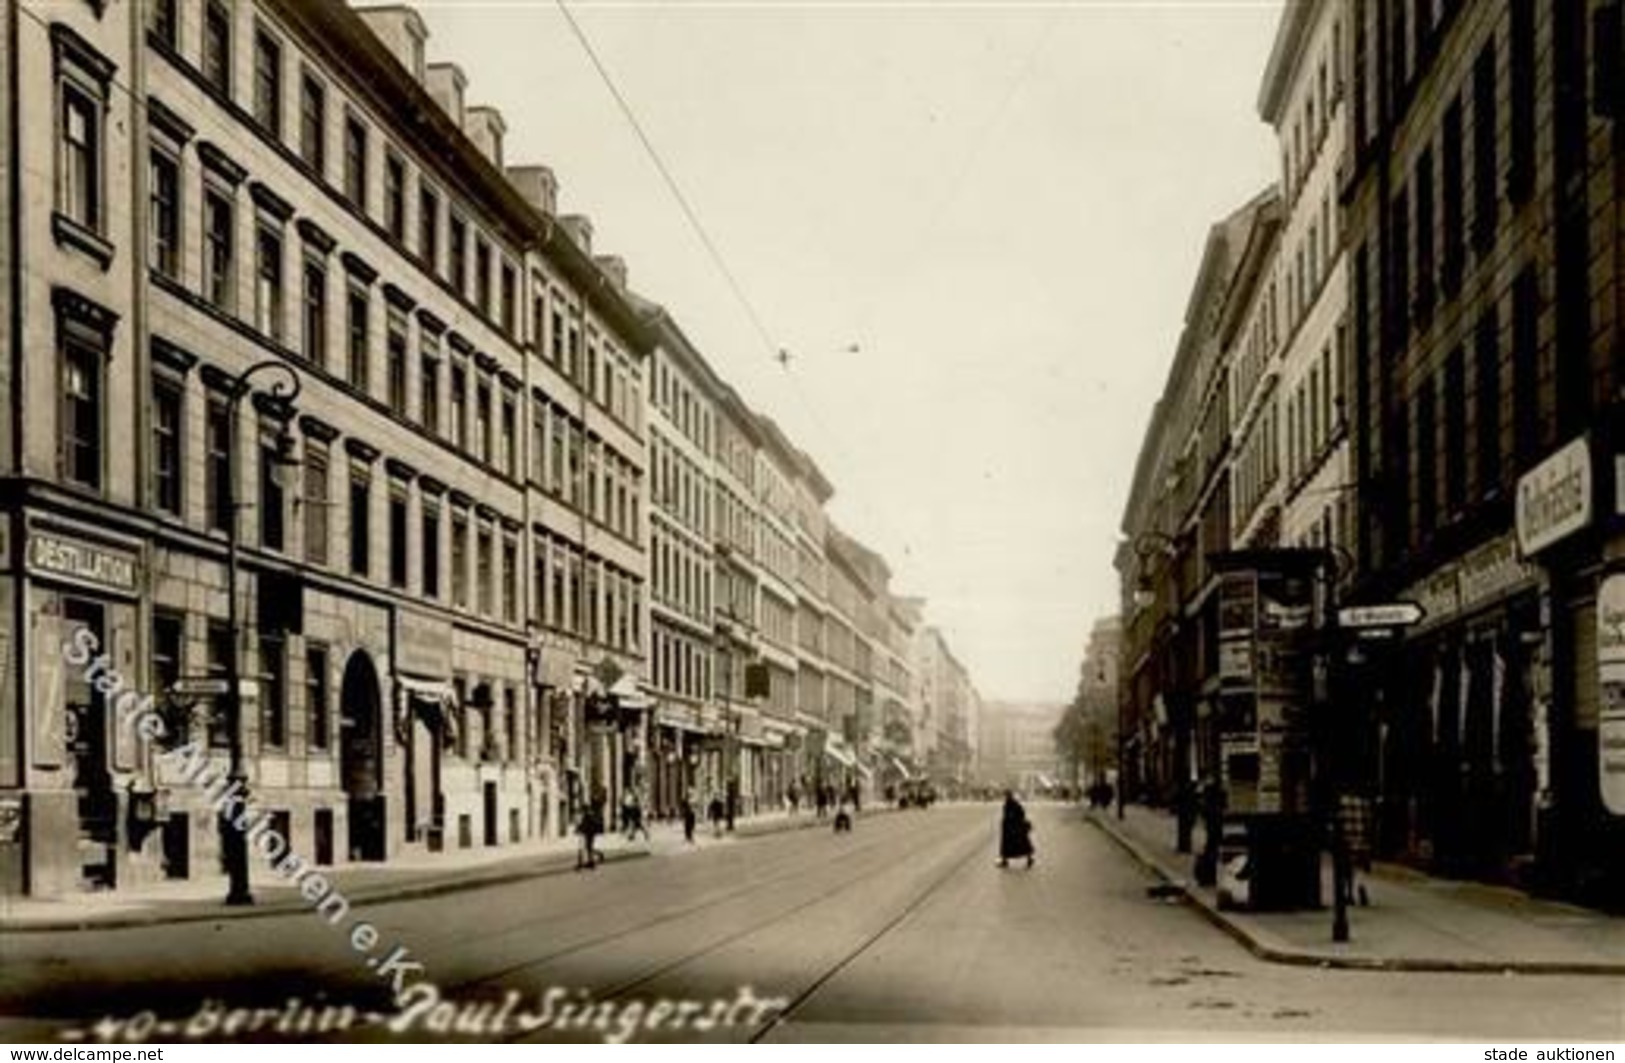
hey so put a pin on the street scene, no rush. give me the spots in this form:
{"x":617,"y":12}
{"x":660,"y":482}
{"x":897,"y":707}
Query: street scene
{"x":782,"y":522}
{"x":944,"y":945}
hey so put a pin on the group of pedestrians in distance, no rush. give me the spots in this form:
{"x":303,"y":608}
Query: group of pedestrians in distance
{"x":1015,"y":829}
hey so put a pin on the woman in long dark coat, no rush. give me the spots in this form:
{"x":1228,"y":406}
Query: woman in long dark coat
{"x":1015,"y":833}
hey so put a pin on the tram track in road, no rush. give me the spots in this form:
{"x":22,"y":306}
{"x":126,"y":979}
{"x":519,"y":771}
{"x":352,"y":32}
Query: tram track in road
{"x":752,"y":884}
{"x":623,"y":991}
{"x":918,"y":901}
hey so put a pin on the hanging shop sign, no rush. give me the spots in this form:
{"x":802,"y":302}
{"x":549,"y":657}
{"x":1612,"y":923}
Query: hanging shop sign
{"x":1554,"y":498}
{"x":1611,"y":701}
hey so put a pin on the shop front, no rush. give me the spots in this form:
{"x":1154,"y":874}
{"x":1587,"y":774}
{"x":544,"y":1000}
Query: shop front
{"x":78,"y":808}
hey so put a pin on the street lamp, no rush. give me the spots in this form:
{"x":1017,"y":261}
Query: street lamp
{"x":1335,"y":562}
{"x":276,"y":402}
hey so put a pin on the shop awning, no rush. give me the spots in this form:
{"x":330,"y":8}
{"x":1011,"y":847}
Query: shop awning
{"x":902,"y":769}
{"x":627,"y":693}
{"x":841,"y":755}
{"x":435,"y":691}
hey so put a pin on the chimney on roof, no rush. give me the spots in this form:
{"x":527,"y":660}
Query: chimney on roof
{"x":579,"y":226}
{"x":614,"y":267}
{"x":401,"y":31}
{"x":446,"y":83}
{"x":485,"y":127}
{"x":538,"y":187}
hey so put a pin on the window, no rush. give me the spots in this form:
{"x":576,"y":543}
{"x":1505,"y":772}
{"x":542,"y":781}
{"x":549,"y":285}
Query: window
{"x":484,"y":561}
{"x":1455,"y":432}
{"x":459,"y":405}
{"x":1451,"y":255}
{"x":482,"y":419}
{"x":168,"y":428}
{"x":272,"y":508}
{"x":430,"y":547}
{"x":165,"y":24}
{"x":459,"y":560}
{"x":510,"y":579}
{"x":268,"y":302}
{"x":459,"y":255}
{"x":1427,"y":471}
{"x":168,"y":656}
{"x":268,"y":83}
{"x":219,"y":248}
{"x":395,"y":196}
{"x":360,"y":520}
{"x":1488,"y":446}
{"x":1521,"y":100}
{"x":509,"y":457}
{"x":1484,"y":176}
{"x":398,"y":518}
{"x":316,"y":695}
{"x":482,"y":276}
{"x":359,"y":338}
{"x":79,"y":175}
{"x":1525,"y":367}
{"x":165,"y":177}
{"x":1399,"y":268}
{"x":428,"y":228}
{"x":398,"y":348}
{"x":217,"y":47}
{"x":273,"y":692}
{"x":538,"y":441}
{"x":429,"y":385}
{"x":217,"y":437}
{"x":314,"y":311}
{"x":83,"y":370}
{"x":220,"y":648}
{"x":355,"y":162}
{"x":1424,"y":236}
{"x":510,"y":725}
{"x":316,"y":502}
{"x":510,"y":300}
{"x":313,"y":124}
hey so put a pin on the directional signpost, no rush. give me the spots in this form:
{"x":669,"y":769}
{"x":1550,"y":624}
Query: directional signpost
{"x":1387,"y":614}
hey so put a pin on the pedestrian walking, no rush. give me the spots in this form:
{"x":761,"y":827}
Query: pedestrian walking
{"x":689,"y":816}
{"x":590,"y":826}
{"x":823,"y":802}
{"x":634,"y":816}
{"x":1015,"y":833}
{"x":716,"y":813}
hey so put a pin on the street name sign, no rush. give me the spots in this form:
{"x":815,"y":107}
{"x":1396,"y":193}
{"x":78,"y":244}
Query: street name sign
{"x":1387,"y":614}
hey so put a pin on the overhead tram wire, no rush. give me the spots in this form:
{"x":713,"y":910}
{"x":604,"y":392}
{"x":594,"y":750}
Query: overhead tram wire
{"x":772,"y":349}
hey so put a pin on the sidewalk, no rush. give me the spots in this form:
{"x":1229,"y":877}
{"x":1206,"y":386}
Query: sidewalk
{"x":415,"y":876}
{"x":1414,"y":922}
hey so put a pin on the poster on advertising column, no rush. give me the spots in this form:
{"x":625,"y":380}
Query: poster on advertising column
{"x":1611,"y":696}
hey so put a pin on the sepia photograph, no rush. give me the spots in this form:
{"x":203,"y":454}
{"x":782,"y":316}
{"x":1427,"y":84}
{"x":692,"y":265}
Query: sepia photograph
{"x":696,"y":522}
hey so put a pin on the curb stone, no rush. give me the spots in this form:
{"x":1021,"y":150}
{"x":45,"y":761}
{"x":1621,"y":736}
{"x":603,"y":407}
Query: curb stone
{"x":1255,"y":944}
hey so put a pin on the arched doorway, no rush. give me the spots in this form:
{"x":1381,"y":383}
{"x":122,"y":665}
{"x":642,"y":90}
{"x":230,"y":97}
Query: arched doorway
{"x":361,"y":756}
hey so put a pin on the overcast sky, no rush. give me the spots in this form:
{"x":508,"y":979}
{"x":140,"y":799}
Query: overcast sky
{"x":1001,"y":204}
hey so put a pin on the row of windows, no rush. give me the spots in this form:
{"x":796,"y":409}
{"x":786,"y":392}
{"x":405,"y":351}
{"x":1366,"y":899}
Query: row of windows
{"x":680,"y":573}
{"x":1257,"y":466}
{"x":1314,"y":120}
{"x":682,"y":404}
{"x":1315,"y":411}
{"x":679,"y":486}
{"x":602,"y":373}
{"x":466,"y":260}
{"x":1428,"y":218}
{"x":583,"y":595}
{"x":736,"y":520}
{"x":571,"y":463}
{"x":681,"y":664}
